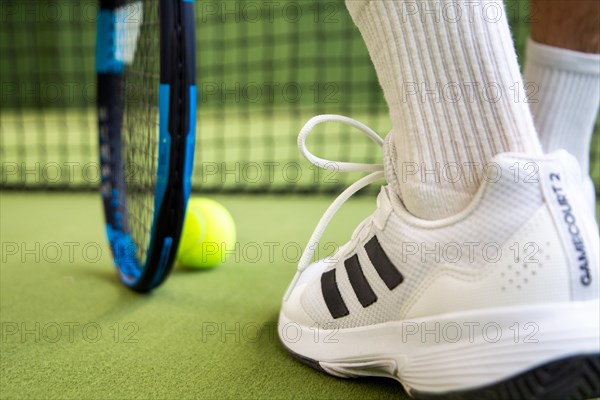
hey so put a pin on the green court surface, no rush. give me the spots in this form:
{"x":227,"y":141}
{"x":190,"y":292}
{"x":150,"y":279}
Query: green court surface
{"x":71,"y":330}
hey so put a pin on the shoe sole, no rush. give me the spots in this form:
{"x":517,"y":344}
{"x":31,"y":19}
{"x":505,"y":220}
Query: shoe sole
{"x":572,"y":378}
{"x":562,"y":361}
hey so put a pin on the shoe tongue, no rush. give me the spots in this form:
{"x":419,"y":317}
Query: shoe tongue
{"x":389,"y":166}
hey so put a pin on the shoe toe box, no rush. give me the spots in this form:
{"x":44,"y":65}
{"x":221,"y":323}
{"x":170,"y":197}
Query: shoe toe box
{"x":292,"y":309}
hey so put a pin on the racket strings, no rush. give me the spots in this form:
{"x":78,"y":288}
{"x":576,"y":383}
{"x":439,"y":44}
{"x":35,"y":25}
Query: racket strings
{"x":140,"y":123}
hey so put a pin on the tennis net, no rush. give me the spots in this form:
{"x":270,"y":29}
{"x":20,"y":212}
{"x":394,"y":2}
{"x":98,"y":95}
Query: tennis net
{"x":264,"y":68}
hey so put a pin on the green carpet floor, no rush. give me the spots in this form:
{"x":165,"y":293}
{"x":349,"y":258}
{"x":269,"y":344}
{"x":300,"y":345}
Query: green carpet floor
{"x":71,"y":330}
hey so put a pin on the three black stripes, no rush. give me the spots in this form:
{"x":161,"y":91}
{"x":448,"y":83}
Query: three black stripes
{"x":382,"y":264}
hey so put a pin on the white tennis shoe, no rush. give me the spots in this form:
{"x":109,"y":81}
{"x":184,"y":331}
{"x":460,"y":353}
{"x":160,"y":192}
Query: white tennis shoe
{"x":499,"y":301}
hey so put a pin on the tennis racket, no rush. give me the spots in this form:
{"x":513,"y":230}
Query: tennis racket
{"x":146,"y":97}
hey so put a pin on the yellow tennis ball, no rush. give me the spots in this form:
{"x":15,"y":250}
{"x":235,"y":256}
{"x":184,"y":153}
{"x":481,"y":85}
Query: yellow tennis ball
{"x":208,"y":231}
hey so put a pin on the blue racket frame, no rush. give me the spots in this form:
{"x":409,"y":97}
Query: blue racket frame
{"x":176,"y":142}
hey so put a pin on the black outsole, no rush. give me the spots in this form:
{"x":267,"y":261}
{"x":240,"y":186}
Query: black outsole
{"x":571,"y":378}
{"x":306,"y":361}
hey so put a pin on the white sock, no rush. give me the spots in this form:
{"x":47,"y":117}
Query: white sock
{"x":566,"y":104}
{"x":414,"y":49}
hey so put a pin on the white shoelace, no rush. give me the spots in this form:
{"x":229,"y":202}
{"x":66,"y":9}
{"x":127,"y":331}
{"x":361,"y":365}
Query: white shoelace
{"x":375,"y":169}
